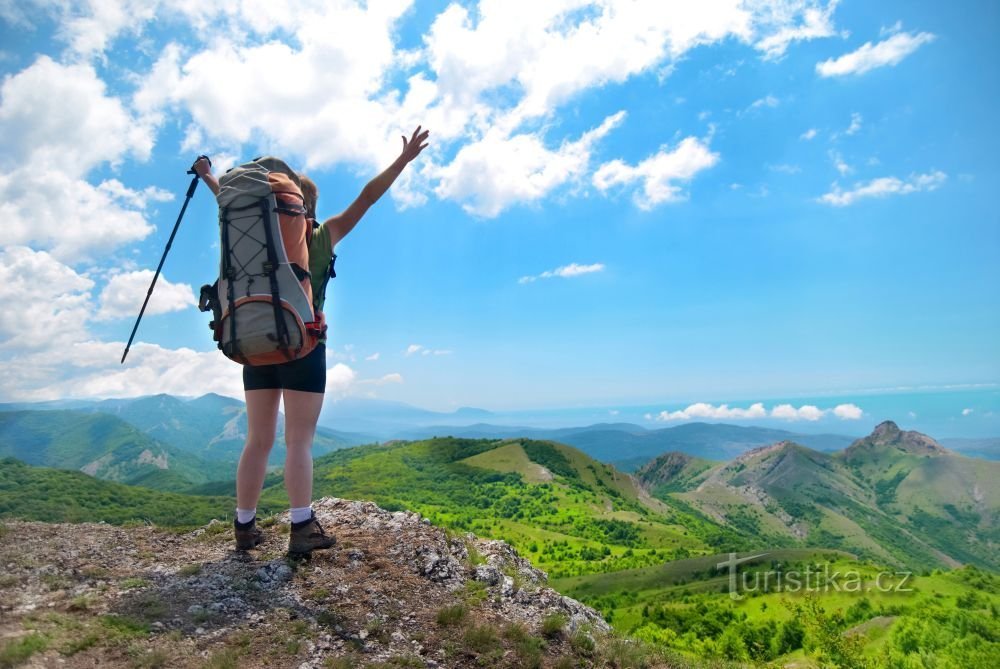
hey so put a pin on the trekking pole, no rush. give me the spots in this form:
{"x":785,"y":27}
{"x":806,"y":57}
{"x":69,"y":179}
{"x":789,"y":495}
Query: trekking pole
{"x":149,"y":293}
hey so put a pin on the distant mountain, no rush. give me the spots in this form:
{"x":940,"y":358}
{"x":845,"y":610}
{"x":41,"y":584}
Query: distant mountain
{"x":987,"y":449}
{"x":629,"y":446}
{"x":386,"y":419}
{"x":895,"y":496}
{"x":100,"y":445}
{"x":211,"y":427}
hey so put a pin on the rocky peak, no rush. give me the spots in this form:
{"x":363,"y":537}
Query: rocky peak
{"x":394,"y":589}
{"x":888,"y":435}
{"x":886,"y":431}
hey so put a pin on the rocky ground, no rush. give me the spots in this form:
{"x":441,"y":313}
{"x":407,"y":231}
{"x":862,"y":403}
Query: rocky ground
{"x":395,"y":592}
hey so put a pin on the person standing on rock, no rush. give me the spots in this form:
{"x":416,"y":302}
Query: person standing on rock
{"x":300,"y":383}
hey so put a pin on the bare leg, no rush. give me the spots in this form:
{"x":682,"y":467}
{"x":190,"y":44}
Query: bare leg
{"x":262,"y":420}
{"x":301,"y":413}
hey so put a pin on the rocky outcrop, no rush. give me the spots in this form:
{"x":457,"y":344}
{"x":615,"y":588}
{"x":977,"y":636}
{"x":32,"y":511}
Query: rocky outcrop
{"x":396,"y":588}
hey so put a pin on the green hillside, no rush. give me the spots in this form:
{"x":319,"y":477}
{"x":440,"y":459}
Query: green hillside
{"x":564,"y":510}
{"x":99,"y":445}
{"x":894,"y":497}
{"x":55,"y":495}
{"x":804,"y":608}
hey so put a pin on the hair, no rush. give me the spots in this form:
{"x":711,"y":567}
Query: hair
{"x":310,"y":194}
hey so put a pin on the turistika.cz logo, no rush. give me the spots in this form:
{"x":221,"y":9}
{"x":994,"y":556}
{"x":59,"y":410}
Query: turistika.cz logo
{"x":811,"y":578}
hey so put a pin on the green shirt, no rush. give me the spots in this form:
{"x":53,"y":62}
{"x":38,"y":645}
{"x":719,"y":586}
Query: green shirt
{"x":320,"y":257}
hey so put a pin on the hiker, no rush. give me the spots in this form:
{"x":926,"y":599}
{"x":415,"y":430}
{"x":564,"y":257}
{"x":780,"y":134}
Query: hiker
{"x":300,"y":383}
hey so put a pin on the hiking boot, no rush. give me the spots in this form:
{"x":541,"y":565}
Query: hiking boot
{"x":307,"y":537}
{"x":248,"y":535}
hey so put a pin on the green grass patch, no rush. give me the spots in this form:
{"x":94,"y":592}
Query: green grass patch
{"x":19,"y":650}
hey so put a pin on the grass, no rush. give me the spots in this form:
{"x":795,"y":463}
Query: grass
{"x":553,"y":625}
{"x":453,"y":615}
{"x":134,"y":583}
{"x":481,"y":639}
{"x":228,"y":658}
{"x":189,"y":570}
{"x":18,"y":651}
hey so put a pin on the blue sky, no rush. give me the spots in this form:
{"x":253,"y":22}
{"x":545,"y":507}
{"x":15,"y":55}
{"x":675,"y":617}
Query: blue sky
{"x":622,"y":203}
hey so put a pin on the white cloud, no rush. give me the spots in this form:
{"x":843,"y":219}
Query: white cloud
{"x":704,"y":410}
{"x":855,"y":124}
{"x":659,"y":173}
{"x":500,"y":170}
{"x":373,"y":357}
{"x":51,"y":147}
{"x":566,"y":272}
{"x":848,"y":411}
{"x":339,"y":379}
{"x":805,"y":412}
{"x":90,"y":368}
{"x":60,"y":117}
{"x":839,"y":163}
{"x":884,"y":187}
{"x":808,"y":412}
{"x":46,"y":303}
{"x":871,"y":56}
{"x":481,"y":74}
{"x":766,"y":101}
{"x":792,"y":21}
{"x":967,"y":412}
{"x":395,"y":378}
{"x":808,"y":134}
{"x":413,"y":349}
{"x":124,"y":293}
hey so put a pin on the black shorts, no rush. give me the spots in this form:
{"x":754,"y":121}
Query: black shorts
{"x":307,"y":374}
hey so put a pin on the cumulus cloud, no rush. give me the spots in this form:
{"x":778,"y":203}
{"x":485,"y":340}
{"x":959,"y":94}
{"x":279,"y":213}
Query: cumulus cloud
{"x":124,"y":293}
{"x":373,"y":357}
{"x":807,"y":412}
{"x":808,"y":134}
{"x":967,"y":412}
{"x":848,"y":411}
{"x":790,"y":21}
{"x":884,"y":187}
{"x":500,"y":170}
{"x":91,"y":368}
{"x":45,"y":197}
{"x":660,"y":175}
{"x":46,"y":302}
{"x":482,"y":74}
{"x":871,"y":56}
{"x":566,"y":272}
{"x":709,"y":411}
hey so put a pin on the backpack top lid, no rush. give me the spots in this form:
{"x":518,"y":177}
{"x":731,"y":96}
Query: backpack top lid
{"x":249,"y":181}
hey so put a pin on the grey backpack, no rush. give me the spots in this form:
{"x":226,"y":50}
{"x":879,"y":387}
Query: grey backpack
{"x":262,"y":302}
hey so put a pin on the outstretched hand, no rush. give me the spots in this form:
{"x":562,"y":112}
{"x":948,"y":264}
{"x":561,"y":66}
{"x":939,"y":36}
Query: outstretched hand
{"x":413,"y":146}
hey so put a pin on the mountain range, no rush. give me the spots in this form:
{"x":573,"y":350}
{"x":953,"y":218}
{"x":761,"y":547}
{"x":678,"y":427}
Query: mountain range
{"x":898,"y":497}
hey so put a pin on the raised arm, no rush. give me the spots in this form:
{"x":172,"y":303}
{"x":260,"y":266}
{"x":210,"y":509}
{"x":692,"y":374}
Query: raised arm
{"x":343,"y":223}
{"x":203,"y":169}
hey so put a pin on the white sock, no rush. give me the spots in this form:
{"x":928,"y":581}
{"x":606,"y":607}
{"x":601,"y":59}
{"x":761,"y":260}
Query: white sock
{"x":244,"y":516}
{"x":301,"y":514}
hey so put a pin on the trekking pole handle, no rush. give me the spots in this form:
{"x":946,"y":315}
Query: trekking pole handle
{"x":191,"y":171}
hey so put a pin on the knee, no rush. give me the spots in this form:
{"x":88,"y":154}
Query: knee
{"x":260,"y":441}
{"x":298,"y":440}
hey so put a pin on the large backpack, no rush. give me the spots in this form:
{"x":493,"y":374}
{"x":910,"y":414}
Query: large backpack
{"x":262,"y":302}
